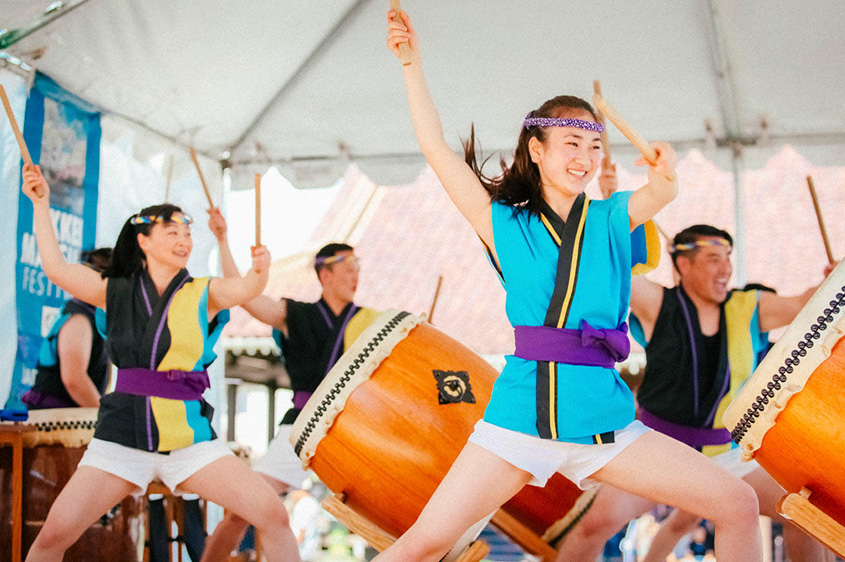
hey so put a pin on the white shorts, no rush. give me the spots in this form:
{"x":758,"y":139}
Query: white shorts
{"x":142,"y":467}
{"x":733,"y":463}
{"x":281,"y":462}
{"x":543,"y":457}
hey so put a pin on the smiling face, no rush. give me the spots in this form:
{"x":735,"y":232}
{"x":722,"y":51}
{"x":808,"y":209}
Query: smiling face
{"x":569,"y":157}
{"x":705,"y":272}
{"x":168,"y":244}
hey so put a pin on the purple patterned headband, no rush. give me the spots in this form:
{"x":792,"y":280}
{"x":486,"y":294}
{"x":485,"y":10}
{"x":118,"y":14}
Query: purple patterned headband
{"x":561,"y":122}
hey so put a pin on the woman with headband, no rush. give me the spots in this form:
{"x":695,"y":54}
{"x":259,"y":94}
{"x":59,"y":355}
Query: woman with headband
{"x":161,"y":326}
{"x":559,"y":405}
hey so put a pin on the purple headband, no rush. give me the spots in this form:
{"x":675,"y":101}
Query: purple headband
{"x":328,"y":260}
{"x":561,"y":122}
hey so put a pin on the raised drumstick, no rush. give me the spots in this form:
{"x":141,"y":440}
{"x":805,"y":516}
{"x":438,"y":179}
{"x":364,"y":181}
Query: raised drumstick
{"x":169,"y":179}
{"x":202,"y":179}
{"x":605,"y":142}
{"x":18,"y":136}
{"x":632,"y":135}
{"x":404,"y":49}
{"x":257,"y":209}
{"x":821,"y":220}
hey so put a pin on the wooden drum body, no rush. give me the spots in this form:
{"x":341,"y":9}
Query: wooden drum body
{"x":51,"y":452}
{"x":390,"y":418}
{"x":790,"y":415}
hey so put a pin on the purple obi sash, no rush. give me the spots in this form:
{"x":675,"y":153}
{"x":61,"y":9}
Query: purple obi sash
{"x":692,"y":436}
{"x":37,"y":400}
{"x":175,"y":385}
{"x":300,"y":397}
{"x":587,"y":346}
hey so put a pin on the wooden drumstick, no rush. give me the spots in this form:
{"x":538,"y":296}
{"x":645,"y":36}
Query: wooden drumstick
{"x":27,"y":159}
{"x":605,"y":142}
{"x":169,"y":179}
{"x":821,"y":220}
{"x":257,"y":209}
{"x":404,"y":49}
{"x":632,"y":135}
{"x":434,"y":300}
{"x":202,"y":179}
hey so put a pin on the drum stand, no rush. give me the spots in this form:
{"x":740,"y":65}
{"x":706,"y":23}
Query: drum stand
{"x":523,"y":536}
{"x":381,"y":539}
{"x":798,"y":509}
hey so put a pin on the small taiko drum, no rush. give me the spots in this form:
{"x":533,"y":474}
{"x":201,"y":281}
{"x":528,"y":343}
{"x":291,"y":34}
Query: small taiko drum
{"x":51,"y":452}
{"x":790,"y":415}
{"x":389,"y":419}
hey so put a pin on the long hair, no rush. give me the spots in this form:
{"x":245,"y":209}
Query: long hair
{"x":127,"y":257}
{"x":519,"y":184}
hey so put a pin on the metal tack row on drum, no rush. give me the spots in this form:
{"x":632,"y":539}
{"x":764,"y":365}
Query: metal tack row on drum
{"x":790,"y":415}
{"x":389,"y":419}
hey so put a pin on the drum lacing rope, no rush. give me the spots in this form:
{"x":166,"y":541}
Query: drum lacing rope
{"x":788,"y":366}
{"x":347,"y":375}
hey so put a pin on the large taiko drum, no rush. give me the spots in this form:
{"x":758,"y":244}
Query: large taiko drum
{"x":790,"y":415}
{"x":51,"y":452}
{"x":388,"y":421}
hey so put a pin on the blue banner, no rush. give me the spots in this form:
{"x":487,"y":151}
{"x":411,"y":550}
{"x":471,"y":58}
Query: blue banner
{"x":62,"y":133}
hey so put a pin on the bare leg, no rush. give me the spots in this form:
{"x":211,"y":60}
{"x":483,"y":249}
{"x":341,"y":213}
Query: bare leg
{"x":231,"y":483}
{"x":230,"y":531}
{"x":667,"y":471}
{"x":800,"y":546}
{"x":478,"y":483}
{"x":612,"y":509}
{"x":671,"y":531}
{"x":89,"y":494}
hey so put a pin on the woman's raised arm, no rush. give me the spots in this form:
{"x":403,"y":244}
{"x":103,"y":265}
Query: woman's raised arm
{"x":79,"y":280}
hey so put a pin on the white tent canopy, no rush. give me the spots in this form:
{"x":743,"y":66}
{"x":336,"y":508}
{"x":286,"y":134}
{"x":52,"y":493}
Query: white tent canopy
{"x":310,"y":86}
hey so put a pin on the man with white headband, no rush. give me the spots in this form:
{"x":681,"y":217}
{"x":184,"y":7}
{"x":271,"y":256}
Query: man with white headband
{"x":702,"y":342}
{"x":312,"y":337}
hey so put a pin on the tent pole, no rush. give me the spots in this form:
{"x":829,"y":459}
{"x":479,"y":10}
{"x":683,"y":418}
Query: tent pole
{"x":9,"y":37}
{"x":730,"y":118}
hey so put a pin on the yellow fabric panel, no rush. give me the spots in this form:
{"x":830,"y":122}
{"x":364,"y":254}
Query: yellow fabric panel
{"x":739,"y":310}
{"x":187,"y":341}
{"x":553,"y":398}
{"x":652,"y":242}
{"x":172,"y":421}
{"x":360,"y":322}
{"x":713,"y":450}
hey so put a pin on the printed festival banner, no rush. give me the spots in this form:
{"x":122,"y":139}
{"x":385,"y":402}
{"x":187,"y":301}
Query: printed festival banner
{"x":62,"y":133}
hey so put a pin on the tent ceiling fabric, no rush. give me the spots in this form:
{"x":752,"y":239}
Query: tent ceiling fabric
{"x":285,"y":81}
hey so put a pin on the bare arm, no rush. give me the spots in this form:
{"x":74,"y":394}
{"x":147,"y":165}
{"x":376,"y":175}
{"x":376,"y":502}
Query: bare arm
{"x":661,"y":189}
{"x":777,"y":311}
{"x":262,"y":307}
{"x":225,"y":292}
{"x":80,"y":281}
{"x":646,"y":300}
{"x":457,"y":177}
{"x":74,"y":349}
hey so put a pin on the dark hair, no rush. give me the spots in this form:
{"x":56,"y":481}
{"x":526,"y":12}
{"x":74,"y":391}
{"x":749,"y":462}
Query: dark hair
{"x":127,"y":258}
{"x":519,"y":184}
{"x":692,"y":234}
{"x":328,"y":251}
{"x":97,"y":259}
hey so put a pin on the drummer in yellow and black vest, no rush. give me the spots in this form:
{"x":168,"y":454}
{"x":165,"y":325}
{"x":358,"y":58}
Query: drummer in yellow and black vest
{"x":312,"y":337}
{"x":702,"y":342}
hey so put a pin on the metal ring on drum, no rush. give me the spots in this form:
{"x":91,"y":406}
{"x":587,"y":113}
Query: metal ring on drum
{"x":388,"y":421}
